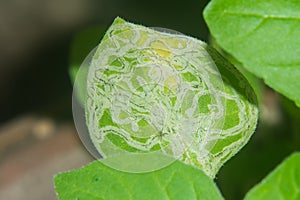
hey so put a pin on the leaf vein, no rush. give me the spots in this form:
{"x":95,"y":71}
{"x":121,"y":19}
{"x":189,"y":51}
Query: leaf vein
{"x":263,"y":16}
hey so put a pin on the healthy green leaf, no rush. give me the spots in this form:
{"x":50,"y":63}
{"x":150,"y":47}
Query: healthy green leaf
{"x":152,"y":91}
{"x":282,"y":183}
{"x":97,"y":181}
{"x":263,"y":36}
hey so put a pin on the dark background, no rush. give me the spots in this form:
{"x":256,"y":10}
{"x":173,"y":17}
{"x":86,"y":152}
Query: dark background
{"x":35,"y":41}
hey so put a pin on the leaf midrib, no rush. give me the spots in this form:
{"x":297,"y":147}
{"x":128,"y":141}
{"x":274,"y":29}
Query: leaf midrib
{"x":258,"y":15}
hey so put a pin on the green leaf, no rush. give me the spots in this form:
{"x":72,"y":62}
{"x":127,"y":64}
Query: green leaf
{"x":282,"y":183}
{"x":252,"y":79}
{"x":97,"y":181}
{"x":151,"y":91}
{"x":263,"y":36}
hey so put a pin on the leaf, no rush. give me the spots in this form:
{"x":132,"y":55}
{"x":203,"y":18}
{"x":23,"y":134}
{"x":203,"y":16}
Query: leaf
{"x":282,"y":183}
{"x":263,"y":36}
{"x":151,"y":91}
{"x":255,"y":82}
{"x":97,"y":181}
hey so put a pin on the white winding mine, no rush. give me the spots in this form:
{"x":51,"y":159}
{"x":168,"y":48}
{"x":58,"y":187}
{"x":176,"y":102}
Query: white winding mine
{"x":152,"y":91}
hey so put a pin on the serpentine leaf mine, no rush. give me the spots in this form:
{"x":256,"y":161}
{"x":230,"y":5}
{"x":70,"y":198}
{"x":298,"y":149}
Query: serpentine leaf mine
{"x":156,"y":92}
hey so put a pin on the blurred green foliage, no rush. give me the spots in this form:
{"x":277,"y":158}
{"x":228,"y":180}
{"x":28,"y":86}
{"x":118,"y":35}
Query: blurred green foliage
{"x":81,"y":53}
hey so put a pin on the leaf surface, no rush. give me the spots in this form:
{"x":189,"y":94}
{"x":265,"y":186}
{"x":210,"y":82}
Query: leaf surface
{"x":263,"y":36}
{"x":97,"y":181}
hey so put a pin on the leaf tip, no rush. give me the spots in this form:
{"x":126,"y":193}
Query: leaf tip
{"x":118,"y":20}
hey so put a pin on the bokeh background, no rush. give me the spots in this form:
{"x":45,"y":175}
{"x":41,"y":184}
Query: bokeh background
{"x":37,"y":134}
